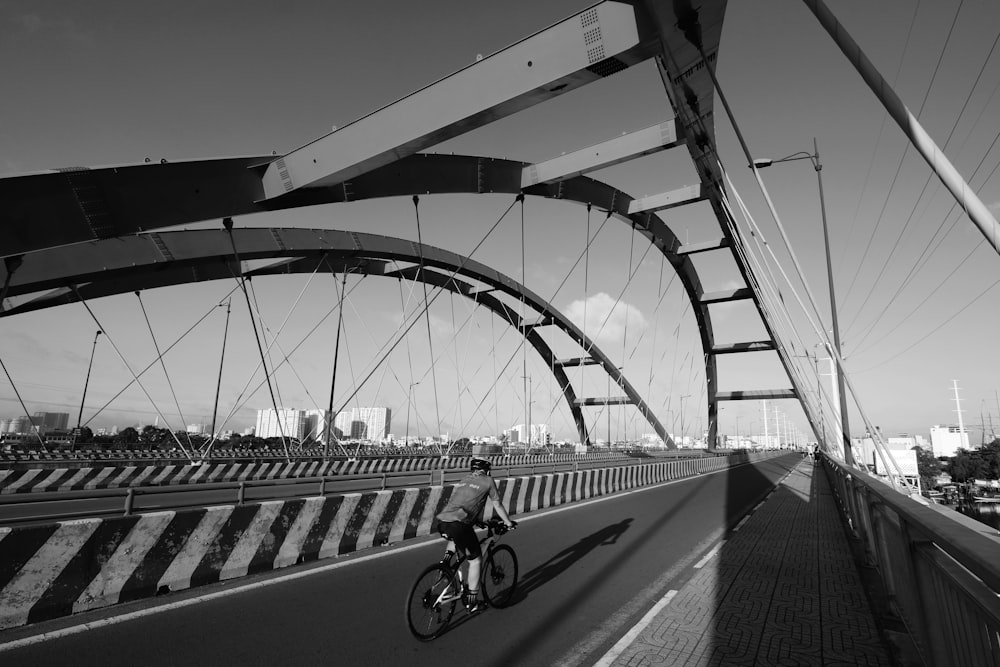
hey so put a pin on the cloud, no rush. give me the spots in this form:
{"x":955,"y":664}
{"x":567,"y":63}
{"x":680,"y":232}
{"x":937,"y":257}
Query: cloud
{"x":29,"y":23}
{"x":601,"y":307}
{"x":61,"y":26}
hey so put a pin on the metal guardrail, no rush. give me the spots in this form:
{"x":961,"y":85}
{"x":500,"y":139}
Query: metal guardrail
{"x":941,"y":574}
{"x":286,"y":489}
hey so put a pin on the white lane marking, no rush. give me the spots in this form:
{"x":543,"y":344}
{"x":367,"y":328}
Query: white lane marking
{"x":742,"y":521}
{"x":170,"y":606}
{"x":114,"y":620}
{"x":709,"y":556}
{"x":626,"y":641}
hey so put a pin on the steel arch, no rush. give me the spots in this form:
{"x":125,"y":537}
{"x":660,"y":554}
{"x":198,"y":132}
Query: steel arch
{"x":154,"y":196}
{"x":146,"y":261}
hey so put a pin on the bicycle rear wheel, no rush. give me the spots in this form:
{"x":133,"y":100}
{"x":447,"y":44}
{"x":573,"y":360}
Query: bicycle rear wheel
{"x":499,"y":578}
{"x":431,"y":602}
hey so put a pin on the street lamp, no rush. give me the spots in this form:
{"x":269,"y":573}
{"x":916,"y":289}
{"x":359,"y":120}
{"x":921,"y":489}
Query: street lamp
{"x":86,"y":382}
{"x":814,"y":159}
{"x":608,"y":406}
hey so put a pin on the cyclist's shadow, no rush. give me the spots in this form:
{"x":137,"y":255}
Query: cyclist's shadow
{"x":562,"y":561}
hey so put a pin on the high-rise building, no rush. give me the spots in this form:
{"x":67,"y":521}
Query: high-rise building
{"x":946,"y":440}
{"x":537,"y":434}
{"x":315,"y":425}
{"x":20,"y":424}
{"x":51,"y":421}
{"x":287,"y":422}
{"x":374,"y":422}
{"x":363,"y":424}
{"x":354,"y":424}
{"x":343,"y":425}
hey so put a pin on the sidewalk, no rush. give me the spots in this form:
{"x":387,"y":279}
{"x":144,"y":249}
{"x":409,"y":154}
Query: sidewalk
{"x":782,"y":590}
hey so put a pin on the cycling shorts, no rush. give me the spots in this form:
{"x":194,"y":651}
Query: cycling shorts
{"x":464,"y":537}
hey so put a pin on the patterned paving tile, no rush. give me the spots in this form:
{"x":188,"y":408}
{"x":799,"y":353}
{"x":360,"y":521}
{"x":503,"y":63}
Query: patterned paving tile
{"x":784,"y":590}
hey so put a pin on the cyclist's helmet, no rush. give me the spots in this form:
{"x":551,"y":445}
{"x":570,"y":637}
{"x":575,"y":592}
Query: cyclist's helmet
{"x":480,"y":464}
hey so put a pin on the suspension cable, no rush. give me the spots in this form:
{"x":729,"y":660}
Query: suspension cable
{"x":153,"y":363}
{"x":526,"y":396}
{"x":427,"y":315}
{"x":336,"y":353}
{"x":141,"y":386}
{"x":218,"y":386}
{"x":242,"y":399}
{"x":264,"y":330}
{"x":163,"y":365}
{"x":34,"y":427}
{"x":437,"y":293}
{"x":228,"y":224}
{"x":897,"y":478}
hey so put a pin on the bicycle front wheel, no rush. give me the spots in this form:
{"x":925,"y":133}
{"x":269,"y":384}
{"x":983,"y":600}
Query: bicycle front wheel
{"x":431,"y":602}
{"x":500,"y":576}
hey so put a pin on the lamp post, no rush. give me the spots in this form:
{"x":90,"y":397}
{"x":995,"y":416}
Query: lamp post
{"x":93,"y":348}
{"x":818,"y":166}
{"x":409,"y":398}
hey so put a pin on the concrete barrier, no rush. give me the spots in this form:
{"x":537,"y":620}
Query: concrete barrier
{"x":48,"y":480}
{"x":59,"y":569}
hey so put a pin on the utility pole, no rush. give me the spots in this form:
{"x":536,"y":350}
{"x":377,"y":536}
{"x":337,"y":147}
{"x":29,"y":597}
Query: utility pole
{"x":958,"y":409}
{"x":767,"y":438}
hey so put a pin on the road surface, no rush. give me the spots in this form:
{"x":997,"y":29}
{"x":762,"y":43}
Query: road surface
{"x":588,"y":572}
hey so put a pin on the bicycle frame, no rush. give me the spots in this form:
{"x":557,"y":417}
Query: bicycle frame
{"x":486,"y":544}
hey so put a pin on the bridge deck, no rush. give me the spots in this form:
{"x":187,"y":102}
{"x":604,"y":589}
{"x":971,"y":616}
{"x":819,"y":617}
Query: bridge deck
{"x":783,"y":589}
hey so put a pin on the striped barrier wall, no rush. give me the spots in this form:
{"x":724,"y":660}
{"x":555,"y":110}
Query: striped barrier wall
{"x":227,"y":455}
{"x":39,"y":480}
{"x":72,"y":566}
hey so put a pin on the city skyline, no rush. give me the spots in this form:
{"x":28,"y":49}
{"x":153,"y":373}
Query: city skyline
{"x":782,"y":75}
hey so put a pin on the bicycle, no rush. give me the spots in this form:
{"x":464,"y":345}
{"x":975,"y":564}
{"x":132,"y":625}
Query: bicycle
{"x":438,"y":589}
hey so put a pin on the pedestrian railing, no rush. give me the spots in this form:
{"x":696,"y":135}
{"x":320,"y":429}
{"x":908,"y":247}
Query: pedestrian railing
{"x":941,"y":573}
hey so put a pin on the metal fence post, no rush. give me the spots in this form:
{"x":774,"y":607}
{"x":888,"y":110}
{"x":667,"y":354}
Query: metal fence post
{"x":129,"y":501}
{"x":241,"y":493}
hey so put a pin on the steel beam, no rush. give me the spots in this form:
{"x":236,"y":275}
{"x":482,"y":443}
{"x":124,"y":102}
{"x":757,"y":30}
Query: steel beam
{"x":724,"y":296}
{"x":756,"y":395}
{"x":753,"y":346}
{"x":606,"y":400}
{"x":543,"y":321}
{"x":605,"y":154}
{"x":577,"y":361}
{"x":665,"y":200}
{"x":597,"y":42}
{"x":707,"y":246}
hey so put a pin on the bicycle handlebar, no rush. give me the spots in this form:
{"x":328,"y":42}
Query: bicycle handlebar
{"x":496,"y":526}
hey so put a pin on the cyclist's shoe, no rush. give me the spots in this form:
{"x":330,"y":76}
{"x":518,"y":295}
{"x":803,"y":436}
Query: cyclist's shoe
{"x":473,"y":603}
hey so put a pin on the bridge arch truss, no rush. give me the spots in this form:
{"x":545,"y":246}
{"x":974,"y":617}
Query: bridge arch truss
{"x":162,"y":259}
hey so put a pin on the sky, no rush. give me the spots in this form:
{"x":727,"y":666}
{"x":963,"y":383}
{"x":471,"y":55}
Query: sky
{"x":117,"y":82}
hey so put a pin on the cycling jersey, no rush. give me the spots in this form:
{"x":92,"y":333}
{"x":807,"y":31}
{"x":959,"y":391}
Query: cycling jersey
{"x":468,"y":499}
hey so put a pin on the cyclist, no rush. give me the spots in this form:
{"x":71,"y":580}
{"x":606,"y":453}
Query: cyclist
{"x":464,"y":509}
